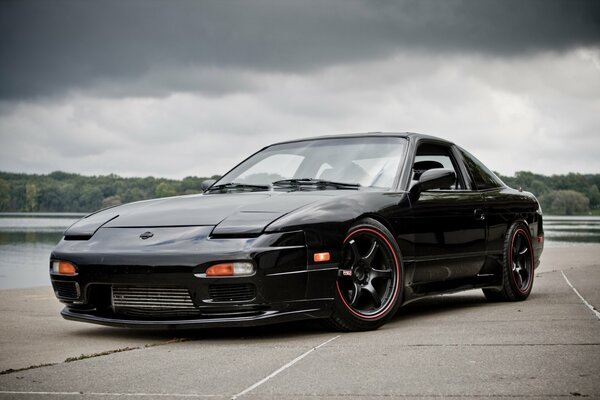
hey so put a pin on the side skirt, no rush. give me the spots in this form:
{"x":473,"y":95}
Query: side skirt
{"x":482,"y":281}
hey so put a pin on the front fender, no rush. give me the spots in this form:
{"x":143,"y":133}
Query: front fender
{"x":326,"y":222}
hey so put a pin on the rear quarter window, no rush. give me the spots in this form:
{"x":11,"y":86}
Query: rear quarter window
{"x":482,"y":177}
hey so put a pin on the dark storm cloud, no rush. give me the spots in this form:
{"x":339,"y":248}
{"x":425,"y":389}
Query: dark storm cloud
{"x":51,"y":47}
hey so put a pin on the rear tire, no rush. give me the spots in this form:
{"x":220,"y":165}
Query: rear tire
{"x":369,"y":287}
{"x":518,"y":266}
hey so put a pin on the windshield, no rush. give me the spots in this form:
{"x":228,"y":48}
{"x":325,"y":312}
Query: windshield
{"x":370,"y":162}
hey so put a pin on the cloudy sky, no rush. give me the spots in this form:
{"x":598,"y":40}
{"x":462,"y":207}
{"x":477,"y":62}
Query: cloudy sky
{"x":178,"y":88}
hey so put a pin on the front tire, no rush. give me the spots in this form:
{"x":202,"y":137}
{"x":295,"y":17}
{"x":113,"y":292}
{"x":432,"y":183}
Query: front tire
{"x":369,"y":287}
{"x":518,"y":266}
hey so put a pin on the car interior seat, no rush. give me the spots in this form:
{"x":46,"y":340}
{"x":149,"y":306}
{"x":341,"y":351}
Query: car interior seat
{"x":421,"y":166}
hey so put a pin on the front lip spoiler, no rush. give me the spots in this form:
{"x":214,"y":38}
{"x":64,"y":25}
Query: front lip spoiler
{"x":267,"y":317}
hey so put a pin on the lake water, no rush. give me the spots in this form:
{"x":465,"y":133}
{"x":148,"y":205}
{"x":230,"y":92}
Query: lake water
{"x":26,"y":241}
{"x":564,"y":231}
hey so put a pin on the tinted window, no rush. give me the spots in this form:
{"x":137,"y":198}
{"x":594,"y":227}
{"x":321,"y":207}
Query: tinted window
{"x":481,"y":175}
{"x":432,"y":156}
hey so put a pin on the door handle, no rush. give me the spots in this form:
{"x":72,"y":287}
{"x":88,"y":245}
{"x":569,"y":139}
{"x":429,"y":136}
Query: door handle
{"x":479,"y":214}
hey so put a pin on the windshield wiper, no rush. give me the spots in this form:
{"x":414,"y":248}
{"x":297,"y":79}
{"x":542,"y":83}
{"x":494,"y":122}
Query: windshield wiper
{"x":235,"y":185}
{"x":319,"y":184}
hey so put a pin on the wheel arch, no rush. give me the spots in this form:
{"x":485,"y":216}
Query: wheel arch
{"x":379,"y":218}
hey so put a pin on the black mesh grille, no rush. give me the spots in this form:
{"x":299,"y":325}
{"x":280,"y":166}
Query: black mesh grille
{"x":66,"y":290}
{"x":232,"y":292}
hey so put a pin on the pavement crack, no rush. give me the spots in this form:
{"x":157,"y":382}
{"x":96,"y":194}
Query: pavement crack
{"x":12,"y":370}
{"x":99,"y":354}
{"x":93,"y":355}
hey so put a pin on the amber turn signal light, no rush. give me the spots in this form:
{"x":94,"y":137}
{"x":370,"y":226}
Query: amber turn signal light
{"x":63,"y":268}
{"x":230,"y":269}
{"x":220,"y":270}
{"x":322,"y":257}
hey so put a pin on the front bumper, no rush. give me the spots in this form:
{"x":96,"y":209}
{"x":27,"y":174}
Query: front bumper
{"x":163,"y":285}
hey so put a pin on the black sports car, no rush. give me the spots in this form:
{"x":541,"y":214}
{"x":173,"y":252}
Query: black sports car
{"x":342,"y":228}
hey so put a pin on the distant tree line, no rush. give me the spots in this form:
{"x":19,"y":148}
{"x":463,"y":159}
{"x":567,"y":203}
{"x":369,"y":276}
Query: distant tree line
{"x":66,"y":192}
{"x":570,"y":194}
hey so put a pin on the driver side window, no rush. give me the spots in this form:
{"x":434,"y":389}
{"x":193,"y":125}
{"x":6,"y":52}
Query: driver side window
{"x":433,"y":156}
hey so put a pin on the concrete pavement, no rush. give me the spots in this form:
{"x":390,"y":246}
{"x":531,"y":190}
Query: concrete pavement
{"x":456,"y":346}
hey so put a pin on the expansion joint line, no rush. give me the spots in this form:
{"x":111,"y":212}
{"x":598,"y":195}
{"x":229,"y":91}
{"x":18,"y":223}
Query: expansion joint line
{"x":286,"y":366}
{"x":591,"y":307}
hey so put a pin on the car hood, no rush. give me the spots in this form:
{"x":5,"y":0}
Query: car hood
{"x":231,"y":214}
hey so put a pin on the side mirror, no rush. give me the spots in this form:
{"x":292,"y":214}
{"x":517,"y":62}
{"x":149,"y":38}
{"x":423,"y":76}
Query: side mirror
{"x":437,"y":178}
{"x":206,"y":184}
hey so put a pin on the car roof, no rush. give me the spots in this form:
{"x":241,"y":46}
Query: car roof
{"x":413,"y":136}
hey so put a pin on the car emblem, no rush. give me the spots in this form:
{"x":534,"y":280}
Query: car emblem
{"x":146,"y":235}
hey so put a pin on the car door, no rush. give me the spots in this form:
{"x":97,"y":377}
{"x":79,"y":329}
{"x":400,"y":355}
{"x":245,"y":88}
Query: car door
{"x":448,"y":224}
